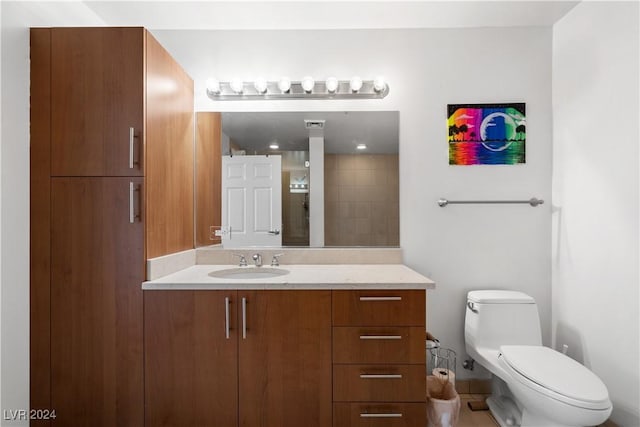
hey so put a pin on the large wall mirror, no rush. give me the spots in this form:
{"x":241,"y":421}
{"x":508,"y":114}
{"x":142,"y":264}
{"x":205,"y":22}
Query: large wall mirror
{"x":337,"y":179}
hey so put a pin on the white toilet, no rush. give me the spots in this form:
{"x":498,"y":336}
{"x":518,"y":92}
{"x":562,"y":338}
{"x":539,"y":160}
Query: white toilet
{"x":532,"y":385}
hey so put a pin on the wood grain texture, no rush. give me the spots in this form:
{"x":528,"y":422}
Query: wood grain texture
{"x":348,"y":414}
{"x":348,"y":347}
{"x":40,"y":223}
{"x":96,"y":96}
{"x":191,"y":376}
{"x":285,"y":361}
{"x":349,"y":386}
{"x":168,"y":153}
{"x":208,"y":177}
{"x":96,"y":304}
{"x":349,"y":310}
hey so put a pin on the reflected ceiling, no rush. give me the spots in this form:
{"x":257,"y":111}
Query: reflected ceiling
{"x":254,"y":131}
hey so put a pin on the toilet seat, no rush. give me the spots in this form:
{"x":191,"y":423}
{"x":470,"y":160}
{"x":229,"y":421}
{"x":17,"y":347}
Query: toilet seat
{"x":555,"y":375}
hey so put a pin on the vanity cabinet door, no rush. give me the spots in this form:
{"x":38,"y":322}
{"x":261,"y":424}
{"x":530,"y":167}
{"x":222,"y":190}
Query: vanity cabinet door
{"x":191,"y":350}
{"x":285,"y":358}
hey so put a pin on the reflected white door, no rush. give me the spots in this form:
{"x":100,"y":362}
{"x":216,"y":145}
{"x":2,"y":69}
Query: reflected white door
{"x":251,"y":201}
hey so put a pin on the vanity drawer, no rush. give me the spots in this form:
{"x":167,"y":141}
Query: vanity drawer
{"x":397,"y":344}
{"x":379,"y":383}
{"x":379,"y":414}
{"x":378,"y":308}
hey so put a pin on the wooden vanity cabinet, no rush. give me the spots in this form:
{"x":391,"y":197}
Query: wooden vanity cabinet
{"x":379,"y":375}
{"x":191,"y":362}
{"x":281,"y":376}
{"x":111,"y":185}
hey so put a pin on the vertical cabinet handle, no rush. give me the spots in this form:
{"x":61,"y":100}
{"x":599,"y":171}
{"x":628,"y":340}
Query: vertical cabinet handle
{"x":132,"y":202}
{"x":226,"y":318}
{"x":244,"y":318}
{"x":132,"y":153}
{"x":131,"y":142}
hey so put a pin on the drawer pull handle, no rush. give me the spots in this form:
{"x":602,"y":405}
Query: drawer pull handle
{"x":380,"y":337}
{"x":380,"y":298}
{"x":381,"y":376}
{"x":381,"y":415}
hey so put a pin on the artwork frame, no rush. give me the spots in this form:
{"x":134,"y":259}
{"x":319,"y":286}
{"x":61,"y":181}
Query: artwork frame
{"x":487,"y":134}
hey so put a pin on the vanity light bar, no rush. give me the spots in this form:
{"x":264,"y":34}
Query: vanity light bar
{"x":225,"y":92}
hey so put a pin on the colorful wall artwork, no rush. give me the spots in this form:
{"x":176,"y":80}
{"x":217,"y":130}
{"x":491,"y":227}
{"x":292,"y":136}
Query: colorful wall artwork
{"x":486,"y":134}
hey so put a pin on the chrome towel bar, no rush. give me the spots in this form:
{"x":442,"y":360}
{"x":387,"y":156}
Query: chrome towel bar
{"x":533,"y":202}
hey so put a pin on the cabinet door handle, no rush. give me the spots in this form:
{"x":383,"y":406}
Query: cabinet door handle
{"x":380,"y":298}
{"x":131,"y":142}
{"x":226,"y":317}
{"x":132,"y":203}
{"x":381,"y":376}
{"x":244,"y":318}
{"x":381,"y":415}
{"x":380,"y":337}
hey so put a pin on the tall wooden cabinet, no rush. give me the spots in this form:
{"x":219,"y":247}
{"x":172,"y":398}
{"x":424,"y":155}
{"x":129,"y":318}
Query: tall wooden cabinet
{"x":229,"y":358}
{"x":111,"y":185}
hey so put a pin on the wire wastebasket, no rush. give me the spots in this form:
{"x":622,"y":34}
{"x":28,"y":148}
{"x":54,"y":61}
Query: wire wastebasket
{"x":443,"y":402}
{"x":442,"y":363}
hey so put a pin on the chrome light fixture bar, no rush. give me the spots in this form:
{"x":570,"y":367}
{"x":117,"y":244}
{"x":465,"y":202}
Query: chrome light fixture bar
{"x":370,"y":89}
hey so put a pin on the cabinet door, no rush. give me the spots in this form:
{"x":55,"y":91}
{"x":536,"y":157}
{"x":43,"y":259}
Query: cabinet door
{"x":190,"y":359}
{"x":285,"y":358}
{"x":97,"y":266}
{"x":97,"y":96}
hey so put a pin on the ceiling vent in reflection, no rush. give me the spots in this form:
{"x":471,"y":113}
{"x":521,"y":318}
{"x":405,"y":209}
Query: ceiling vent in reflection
{"x":314,"y":124}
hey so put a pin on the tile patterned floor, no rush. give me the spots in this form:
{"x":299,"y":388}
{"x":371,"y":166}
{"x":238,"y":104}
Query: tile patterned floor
{"x":469,"y":418}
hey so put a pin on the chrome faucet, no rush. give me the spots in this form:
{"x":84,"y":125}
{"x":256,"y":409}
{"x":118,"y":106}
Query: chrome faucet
{"x":243,"y":260}
{"x":257,"y":258}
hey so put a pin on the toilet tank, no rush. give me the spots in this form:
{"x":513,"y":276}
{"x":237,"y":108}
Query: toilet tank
{"x":495,"y":317}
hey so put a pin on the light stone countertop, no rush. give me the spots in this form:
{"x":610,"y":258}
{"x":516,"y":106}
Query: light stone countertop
{"x":300,"y":276}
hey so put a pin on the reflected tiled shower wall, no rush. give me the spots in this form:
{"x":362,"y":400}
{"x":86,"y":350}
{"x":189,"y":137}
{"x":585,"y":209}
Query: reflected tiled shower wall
{"x":361,"y":200}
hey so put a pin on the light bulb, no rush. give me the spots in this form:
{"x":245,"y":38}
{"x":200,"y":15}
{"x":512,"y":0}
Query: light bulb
{"x":274,"y":146}
{"x":308,"y":83}
{"x":284,"y":84}
{"x":361,"y":146}
{"x":261,"y":85}
{"x":355,"y":83}
{"x":213,"y":86}
{"x":237,"y":85}
{"x":332,"y":84}
{"x":379,"y":84}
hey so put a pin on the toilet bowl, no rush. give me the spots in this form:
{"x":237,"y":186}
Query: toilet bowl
{"x":533,"y":385}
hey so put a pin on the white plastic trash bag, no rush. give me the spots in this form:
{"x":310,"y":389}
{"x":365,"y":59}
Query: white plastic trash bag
{"x":443,"y":403}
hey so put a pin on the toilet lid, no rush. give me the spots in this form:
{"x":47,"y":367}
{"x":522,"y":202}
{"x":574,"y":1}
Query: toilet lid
{"x":555,"y":371}
{"x":499,"y":297}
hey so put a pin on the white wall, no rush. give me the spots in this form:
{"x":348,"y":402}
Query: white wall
{"x":14,"y":185}
{"x":595,"y":196}
{"x":460,"y":247}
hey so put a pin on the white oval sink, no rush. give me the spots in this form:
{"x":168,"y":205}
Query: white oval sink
{"x":249,"y":273}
